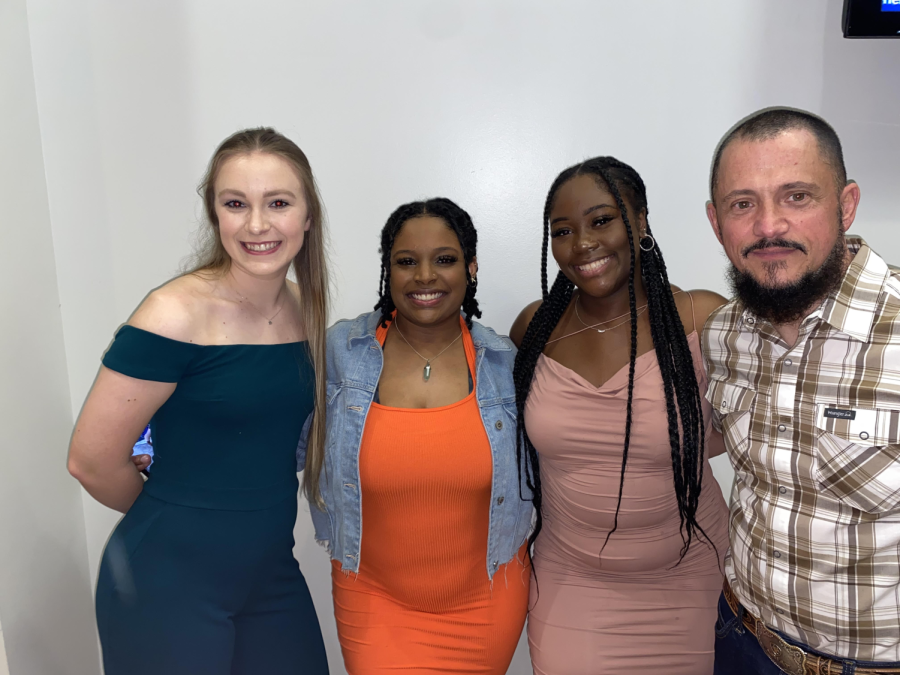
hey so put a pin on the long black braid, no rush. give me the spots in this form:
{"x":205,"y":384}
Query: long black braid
{"x":676,"y":365}
{"x":457,"y":220}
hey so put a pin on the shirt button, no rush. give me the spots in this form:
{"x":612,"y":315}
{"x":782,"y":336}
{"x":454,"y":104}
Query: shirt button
{"x":788,"y":362}
{"x":500,"y":500}
{"x":496,"y":563}
{"x":863,"y":435}
{"x":751,"y":320}
{"x":498,"y":425}
{"x":777,"y":554}
{"x":781,"y":427}
{"x":782,"y":489}
{"x":779,"y":610}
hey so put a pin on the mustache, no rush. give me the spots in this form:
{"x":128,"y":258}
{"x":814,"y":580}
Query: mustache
{"x":772,"y":243}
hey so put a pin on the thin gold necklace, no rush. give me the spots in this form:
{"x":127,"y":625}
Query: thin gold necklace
{"x":640,"y":310}
{"x":426,"y":371}
{"x":586,"y":327}
{"x":256,"y":309}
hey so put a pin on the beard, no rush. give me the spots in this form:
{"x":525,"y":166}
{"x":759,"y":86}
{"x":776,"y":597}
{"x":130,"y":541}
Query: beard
{"x":791,"y":302}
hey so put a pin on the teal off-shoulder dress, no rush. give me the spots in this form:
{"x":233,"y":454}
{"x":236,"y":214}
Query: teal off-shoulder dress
{"x":199,"y":577}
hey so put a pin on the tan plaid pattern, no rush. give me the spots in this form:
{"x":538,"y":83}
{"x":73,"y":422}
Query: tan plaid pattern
{"x":813,"y":432}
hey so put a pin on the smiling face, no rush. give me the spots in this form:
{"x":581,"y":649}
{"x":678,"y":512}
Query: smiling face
{"x":777,"y":211}
{"x":262,"y":213}
{"x":589,"y":239}
{"x":428,"y":272}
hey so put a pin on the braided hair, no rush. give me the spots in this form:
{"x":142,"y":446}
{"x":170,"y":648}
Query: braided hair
{"x":676,"y":365}
{"x":457,"y":220}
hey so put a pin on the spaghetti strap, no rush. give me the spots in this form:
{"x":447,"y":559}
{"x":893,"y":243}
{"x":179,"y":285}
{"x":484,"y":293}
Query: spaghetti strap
{"x":693,"y":318}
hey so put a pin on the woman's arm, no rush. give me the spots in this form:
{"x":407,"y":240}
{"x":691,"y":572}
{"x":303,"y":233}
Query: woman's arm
{"x":118,"y":408}
{"x":715,"y":444}
{"x":115,"y":413}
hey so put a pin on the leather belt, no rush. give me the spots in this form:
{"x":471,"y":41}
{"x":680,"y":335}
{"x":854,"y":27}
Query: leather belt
{"x":792,"y":659}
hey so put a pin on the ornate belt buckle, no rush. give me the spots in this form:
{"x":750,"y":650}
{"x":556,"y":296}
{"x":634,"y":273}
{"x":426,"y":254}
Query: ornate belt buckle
{"x":791,"y":659}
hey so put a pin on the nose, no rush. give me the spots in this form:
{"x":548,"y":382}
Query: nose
{"x":770,"y":222}
{"x":585,"y":242}
{"x":425,"y":273}
{"x":257,"y":224}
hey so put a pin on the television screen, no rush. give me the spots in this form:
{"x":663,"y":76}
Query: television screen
{"x":872,"y":18}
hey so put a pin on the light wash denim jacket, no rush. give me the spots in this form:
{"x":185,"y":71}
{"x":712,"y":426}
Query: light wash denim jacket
{"x":355,"y":360}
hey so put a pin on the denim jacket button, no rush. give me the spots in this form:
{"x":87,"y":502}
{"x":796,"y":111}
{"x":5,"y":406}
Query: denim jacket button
{"x":496,"y":563}
{"x":498,"y":425}
{"x":500,"y":500}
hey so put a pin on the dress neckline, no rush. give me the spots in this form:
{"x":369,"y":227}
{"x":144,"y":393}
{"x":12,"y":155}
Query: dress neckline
{"x":621,"y":374}
{"x":195,"y":344}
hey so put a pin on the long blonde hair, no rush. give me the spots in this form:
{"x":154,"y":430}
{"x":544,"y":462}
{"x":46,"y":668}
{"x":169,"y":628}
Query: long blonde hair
{"x":309,"y":267}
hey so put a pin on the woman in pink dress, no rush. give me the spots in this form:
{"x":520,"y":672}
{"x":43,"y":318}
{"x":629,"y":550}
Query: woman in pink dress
{"x":615,"y":435}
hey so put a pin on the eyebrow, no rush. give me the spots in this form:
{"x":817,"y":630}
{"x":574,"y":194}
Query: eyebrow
{"x":407,"y":251}
{"x":586,"y":212}
{"x":796,"y":185}
{"x":270,"y":193}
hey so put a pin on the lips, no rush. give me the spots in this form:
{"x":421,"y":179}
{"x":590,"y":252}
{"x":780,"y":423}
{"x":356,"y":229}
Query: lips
{"x":426,"y":298}
{"x":260,"y":247}
{"x":594,"y":267}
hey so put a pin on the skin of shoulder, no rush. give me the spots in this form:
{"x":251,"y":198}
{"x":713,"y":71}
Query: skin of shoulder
{"x":705,"y":303}
{"x":520,"y":325}
{"x":174,"y":310}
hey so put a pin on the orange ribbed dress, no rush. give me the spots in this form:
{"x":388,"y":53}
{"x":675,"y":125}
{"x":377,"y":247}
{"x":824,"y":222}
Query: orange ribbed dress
{"x":422,"y":601}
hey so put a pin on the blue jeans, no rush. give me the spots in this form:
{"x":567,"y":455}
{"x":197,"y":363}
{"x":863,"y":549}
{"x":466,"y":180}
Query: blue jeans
{"x":739,"y":653}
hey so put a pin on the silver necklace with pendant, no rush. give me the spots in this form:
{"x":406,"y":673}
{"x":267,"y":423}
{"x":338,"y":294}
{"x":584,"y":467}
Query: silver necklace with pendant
{"x":426,"y":371}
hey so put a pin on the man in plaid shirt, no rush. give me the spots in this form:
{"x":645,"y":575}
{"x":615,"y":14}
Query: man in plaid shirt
{"x":804,"y":379}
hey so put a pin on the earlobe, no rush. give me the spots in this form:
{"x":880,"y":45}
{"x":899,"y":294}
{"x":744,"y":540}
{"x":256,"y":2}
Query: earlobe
{"x":308,"y":225}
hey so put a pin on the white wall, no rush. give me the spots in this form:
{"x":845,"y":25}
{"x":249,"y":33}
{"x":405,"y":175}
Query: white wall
{"x":483,"y":101}
{"x":45,"y":593}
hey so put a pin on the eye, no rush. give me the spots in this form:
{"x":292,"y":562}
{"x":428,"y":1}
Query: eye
{"x":602,"y":220}
{"x":742,"y":205}
{"x":279,"y":204}
{"x":234,"y":204}
{"x":404,"y":261}
{"x":447,"y":260}
{"x":798,"y":197}
{"x":560,"y":232}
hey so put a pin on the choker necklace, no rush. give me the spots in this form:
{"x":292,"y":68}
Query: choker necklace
{"x":426,"y":371}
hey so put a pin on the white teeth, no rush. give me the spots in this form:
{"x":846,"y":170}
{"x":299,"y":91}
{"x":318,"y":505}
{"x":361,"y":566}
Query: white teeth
{"x":425,"y":297}
{"x":593,"y":266}
{"x":261,"y":247}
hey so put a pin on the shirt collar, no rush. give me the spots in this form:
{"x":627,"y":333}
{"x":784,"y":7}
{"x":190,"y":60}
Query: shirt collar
{"x":851,"y":309}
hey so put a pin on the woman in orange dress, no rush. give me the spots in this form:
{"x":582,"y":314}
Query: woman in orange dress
{"x":424,"y":514}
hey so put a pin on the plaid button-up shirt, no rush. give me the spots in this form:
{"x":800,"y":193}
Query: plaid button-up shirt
{"x":813,"y":431}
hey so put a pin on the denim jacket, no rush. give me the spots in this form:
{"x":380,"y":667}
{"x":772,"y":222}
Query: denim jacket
{"x":355,"y":360}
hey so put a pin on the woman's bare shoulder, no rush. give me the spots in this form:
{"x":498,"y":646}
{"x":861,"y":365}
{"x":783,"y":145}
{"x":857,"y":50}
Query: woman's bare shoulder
{"x":696,"y":305}
{"x":176,"y":309}
{"x":520,"y":325}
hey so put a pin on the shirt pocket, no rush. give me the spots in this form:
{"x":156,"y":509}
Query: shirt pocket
{"x":733,"y":405}
{"x":858,"y":455}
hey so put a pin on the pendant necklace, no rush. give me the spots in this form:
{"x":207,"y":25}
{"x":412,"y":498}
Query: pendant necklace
{"x":255,"y":309}
{"x":426,"y":371}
